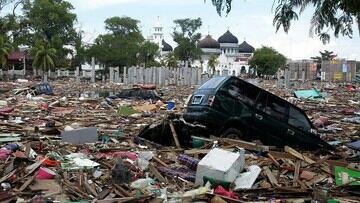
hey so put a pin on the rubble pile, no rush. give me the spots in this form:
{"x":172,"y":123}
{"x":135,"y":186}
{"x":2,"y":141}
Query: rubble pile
{"x":80,"y":144}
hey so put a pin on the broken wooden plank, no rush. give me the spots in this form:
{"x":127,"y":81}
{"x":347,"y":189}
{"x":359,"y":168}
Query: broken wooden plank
{"x":174,"y":134}
{"x":156,"y":173}
{"x":273,"y":160}
{"x":299,"y":155}
{"x":247,"y":145}
{"x":315,"y":180}
{"x":271,"y":177}
{"x":160,"y":161}
{"x":88,"y":186}
{"x":296,"y":173}
{"x":122,"y":190}
{"x":281,"y":155}
{"x":27,"y":183}
{"x":8,"y":176}
{"x":104,"y":193}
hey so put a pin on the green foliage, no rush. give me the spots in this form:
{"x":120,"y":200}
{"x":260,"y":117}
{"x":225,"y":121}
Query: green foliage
{"x":222,"y":5}
{"x":121,"y":45}
{"x":335,"y":15}
{"x":43,"y":55}
{"x":186,"y":36}
{"x":122,"y":25}
{"x":5,"y":49}
{"x":51,"y":21}
{"x":79,"y":57}
{"x":267,"y":61}
{"x":171,"y":60}
{"x":324,"y":56}
{"x":213,"y":62}
{"x":147,"y":53}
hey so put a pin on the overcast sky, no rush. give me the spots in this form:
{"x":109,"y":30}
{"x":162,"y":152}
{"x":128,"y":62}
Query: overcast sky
{"x":249,"y":19}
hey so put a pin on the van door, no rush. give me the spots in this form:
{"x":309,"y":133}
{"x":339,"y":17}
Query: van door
{"x":270,"y":119}
{"x":298,"y":131}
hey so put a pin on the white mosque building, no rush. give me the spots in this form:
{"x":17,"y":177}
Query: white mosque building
{"x":157,"y":37}
{"x":232,"y":57}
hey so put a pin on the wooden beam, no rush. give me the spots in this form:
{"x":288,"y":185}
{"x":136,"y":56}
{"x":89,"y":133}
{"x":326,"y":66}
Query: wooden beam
{"x":271,"y":177}
{"x":299,"y":155}
{"x":175,"y":136}
{"x":297,"y":172}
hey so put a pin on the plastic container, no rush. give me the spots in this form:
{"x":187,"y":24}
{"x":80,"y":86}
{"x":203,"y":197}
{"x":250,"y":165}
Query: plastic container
{"x":45,"y":173}
{"x":170,"y":105}
{"x":51,"y":163}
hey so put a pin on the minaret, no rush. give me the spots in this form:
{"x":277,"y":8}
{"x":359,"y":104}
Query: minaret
{"x":158,"y":35}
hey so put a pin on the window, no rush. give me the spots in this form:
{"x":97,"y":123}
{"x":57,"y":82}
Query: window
{"x":212,"y":83}
{"x":261,"y":101}
{"x":277,"y":108}
{"x":235,"y":89}
{"x":250,"y":93}
{"x":298,"y":119}
{"x":243,"y":91}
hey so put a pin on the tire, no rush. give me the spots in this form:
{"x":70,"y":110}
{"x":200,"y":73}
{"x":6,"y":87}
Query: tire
{"x":232,"y":133}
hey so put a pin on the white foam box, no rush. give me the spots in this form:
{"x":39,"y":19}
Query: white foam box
{"x":220,"y":164}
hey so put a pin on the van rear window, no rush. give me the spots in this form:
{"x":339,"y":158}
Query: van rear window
{"x":212,"y":83}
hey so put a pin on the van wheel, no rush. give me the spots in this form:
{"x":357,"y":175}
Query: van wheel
{"x":232,"y":133}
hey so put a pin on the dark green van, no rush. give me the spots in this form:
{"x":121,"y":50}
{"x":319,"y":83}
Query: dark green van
{"x":233,"y":108}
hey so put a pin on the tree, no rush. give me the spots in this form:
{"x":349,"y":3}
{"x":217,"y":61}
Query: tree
{"x":121,"y":45}
{"x":147,"y":53}
{"x":186,"y":36}
{"x":170,"y":60}
{"x":51,"y":21}
{"x":5,"y":49}
{"x":213,"y":62}
{"x":267,"y":61}
{"x":79,"y":56}
{"x":324,"y":56}
{"x":335,"y":15}
{"x":44,"y":56}
{"x":122,"y":25}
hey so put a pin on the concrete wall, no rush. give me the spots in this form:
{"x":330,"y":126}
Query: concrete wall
{"x":331,"y":71}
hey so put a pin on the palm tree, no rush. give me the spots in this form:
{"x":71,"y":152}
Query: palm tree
{"x":212,"y":63}
{"x":171,"y":60}
{"x":5,"y":49}
{"x":43,"y":58}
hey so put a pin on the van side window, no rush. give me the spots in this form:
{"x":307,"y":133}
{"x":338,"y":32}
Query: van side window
{"x":298,"y":119}
{"x":250,"y":93}
{"x":242,"y":91}
{"x":277,"y":108}
{"x":261,"y":101}
{"x":234,"y":89}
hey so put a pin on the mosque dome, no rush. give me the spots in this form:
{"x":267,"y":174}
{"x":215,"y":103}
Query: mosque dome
{"x":228,"y":37}
{"x":209,"y":43}
{"x":166,"y":46}
{"x":246,"y":48}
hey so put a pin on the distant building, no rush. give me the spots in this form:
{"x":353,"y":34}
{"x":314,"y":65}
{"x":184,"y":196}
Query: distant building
{"x":232,"y":57}
{"x":157,"y":37}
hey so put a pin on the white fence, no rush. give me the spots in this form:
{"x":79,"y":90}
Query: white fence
{"x":160,"y":76}
{"x":163,"y":76}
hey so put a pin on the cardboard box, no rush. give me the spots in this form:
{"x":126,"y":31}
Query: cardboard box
{"x":220,"y":164}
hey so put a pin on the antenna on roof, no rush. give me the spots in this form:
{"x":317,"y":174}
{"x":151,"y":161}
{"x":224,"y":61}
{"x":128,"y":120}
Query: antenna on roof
{"x":208,"y":29}
{"x":228,"y":28}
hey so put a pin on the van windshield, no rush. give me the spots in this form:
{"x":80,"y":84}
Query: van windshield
{"x":212,"y":83}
